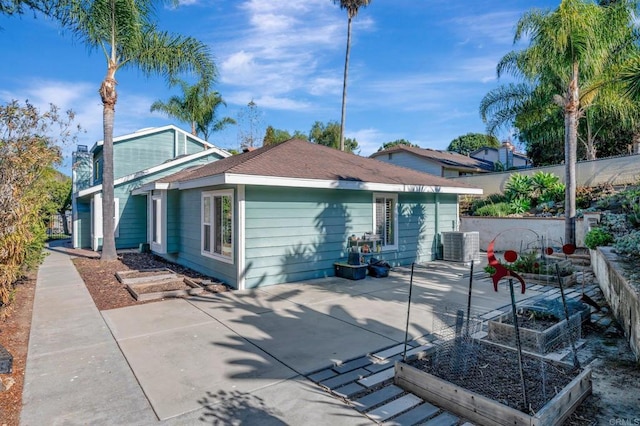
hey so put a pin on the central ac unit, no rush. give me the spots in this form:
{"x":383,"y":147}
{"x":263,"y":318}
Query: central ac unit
{"x":461,"y":246}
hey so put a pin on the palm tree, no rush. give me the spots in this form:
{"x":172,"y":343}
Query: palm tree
{"x":352,"y":7}
{"x":569,"y":48}
{"x":124,"y":31}
{"x":197,"y":106}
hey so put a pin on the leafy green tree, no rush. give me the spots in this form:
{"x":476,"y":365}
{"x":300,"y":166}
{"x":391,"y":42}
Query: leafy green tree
{"x":269,"y":136}
{"x":197,"y":106}
{"x":58,"y":196}
{"x":275,"y":136}
{"x":470,"y":142}
{"x":17,"y":7}
{"x":352,"y":7}
{"x":570,"y":49}
{"x":329,"y":135}
{"x":397,"y":142}
{"x":29,"y":147}
{"x":297,"y":134}
{"x":125,"y":32}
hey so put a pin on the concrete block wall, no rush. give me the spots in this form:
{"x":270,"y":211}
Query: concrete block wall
{"x":614,"y":171}
{"x":515,"y":233}
{"x":621,"y":295}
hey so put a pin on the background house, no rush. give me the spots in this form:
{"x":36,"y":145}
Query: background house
{"x":435,"y":162}
{"x":284,"y":213}
{"x":138,"y":158}
{"x":503,"y":158}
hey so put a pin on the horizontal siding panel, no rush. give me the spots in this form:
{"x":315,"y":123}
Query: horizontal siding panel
{"x":297,"y":234}
{"x":276,"y":222}
{"x":287,"y":241}
{"x":140,"y":153}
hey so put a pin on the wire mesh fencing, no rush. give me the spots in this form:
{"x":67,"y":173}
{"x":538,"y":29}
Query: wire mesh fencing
{"x":482,"y":356}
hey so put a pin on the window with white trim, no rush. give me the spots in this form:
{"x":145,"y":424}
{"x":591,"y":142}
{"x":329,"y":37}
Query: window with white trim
{"x":158,"y":221}
{"x":217,"y":225}
{"x":385,"y":219}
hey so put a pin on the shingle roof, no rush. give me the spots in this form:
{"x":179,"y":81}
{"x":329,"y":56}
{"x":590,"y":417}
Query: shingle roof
{"x":298,"y":159}
{"x":446,"y":158}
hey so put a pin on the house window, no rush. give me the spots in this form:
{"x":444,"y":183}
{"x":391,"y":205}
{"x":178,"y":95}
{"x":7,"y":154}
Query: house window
{"x":97,"y":172}
{"x":385,"y":219}
{"x":217,"y":225}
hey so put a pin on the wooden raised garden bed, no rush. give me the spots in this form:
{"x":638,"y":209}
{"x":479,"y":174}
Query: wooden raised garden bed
{"x":470,"y":397}
{"x":552,"y":280}
{"x":547,"y":336}
{"x":160,"y":289}
{"x":145,"y":275}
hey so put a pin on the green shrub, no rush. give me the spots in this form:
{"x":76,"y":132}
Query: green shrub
{"x":498,"y":210}
{"x":597,"y":237}
{"x":490,"y":199}
{"x":520,"y":205}
{"x":616,"y":224}
{"x":518,"y":186}
{"x":628,"y":245}
{"x":554,"y":193}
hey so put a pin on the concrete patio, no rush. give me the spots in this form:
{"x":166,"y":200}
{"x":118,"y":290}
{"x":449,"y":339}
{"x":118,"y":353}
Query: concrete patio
{"x":238,"y":357}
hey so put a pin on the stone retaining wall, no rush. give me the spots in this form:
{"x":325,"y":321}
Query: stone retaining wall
{"x":623,"y":298}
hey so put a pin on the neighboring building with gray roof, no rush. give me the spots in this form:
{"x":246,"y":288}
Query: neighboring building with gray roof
{"x":439,"y":163}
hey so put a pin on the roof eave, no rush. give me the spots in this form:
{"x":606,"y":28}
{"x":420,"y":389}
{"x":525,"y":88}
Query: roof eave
{"x":243,"y":179}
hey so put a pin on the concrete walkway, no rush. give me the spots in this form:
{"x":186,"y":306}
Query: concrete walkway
{"x":240,"y":357}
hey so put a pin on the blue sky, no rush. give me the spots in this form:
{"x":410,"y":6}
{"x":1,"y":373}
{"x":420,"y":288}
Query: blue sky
{"x":418,"y":68}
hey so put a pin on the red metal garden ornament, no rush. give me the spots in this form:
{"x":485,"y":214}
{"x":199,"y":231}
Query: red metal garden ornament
{"x":501,"y":271}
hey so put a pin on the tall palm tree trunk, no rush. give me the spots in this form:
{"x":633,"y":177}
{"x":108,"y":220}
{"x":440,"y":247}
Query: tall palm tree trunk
{"x":344,"y":85}
{"x":109,"y":98}
{"x":570,"y":153}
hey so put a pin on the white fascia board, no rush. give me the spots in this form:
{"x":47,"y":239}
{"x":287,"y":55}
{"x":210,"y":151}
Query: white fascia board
{"x":202,"y":182}
{"x":239,"y":179}
{"x":89,"y":191}
{"x":144,"y":189}
{"x":340,"y":184}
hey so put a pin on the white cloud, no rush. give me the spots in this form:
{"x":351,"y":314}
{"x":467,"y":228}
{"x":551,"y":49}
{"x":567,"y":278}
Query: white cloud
{"x":497,"y":28}
{"x":283,"y":49}
{"x":369,"y":140}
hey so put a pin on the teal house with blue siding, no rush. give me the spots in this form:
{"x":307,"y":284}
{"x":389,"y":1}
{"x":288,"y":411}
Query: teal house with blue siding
{"x":285,"y":212}
{"x":138,"y":158}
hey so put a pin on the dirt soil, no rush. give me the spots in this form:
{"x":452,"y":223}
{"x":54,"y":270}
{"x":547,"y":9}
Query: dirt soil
{"x":15,"y":326}
{"x":109,"y":293}
{"x":472,"y":366}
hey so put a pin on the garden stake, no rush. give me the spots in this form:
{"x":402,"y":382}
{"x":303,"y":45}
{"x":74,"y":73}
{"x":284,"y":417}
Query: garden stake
{"x":518,"y":344}
{"x":469,"y":297}
{"x":406,"y":328}
{"x":576,"y":363}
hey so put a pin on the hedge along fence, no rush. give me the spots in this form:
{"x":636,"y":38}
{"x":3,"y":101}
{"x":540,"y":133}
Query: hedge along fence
{"x":515,"y":233}
{"x":613,"y":171}
{"x":26,"y":157}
